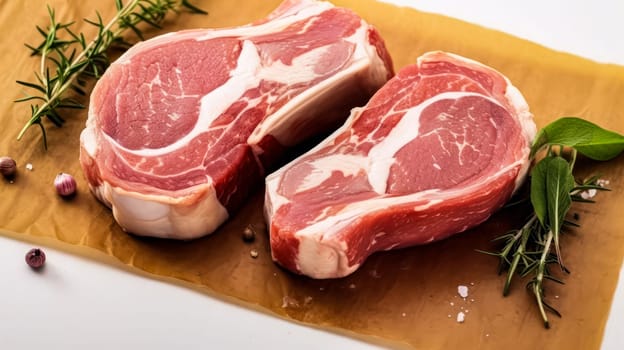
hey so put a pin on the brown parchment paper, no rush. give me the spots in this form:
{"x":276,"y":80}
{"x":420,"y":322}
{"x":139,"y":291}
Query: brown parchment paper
{"x":400,"y":298}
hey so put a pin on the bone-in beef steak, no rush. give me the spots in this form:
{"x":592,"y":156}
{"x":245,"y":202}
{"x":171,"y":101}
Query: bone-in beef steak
{"x":182,"y":126}
{"x":436,"y":150}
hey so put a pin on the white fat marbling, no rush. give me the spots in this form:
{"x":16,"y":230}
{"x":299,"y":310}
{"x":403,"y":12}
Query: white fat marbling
{"x":381,"y":156}
{"x":322,"y":169}
{"x":365,"y":63}
{"x":304,"y":10}
{"x":529,"y":129}
{"x":300,"y":71}
{"x":88,"y":139}
{"x":160,"y":216}
{"x":323,"y":259}
{"x":212,"y":105}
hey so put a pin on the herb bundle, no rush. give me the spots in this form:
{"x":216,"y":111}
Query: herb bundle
{"x":533,"y":248}
{"x":73,"y":58}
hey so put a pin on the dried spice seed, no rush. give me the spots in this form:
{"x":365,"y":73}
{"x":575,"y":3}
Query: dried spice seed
{"x":35,"y":258}
{"x":65,"y":185}
{"x":8,"y":167}
{"x":249,"y":235}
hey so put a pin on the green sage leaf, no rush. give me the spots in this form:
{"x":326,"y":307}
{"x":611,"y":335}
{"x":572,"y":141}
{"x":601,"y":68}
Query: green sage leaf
{"x":539,"y":198}
{"x":551,"y":183}
{"x":586,"y":137}
{"x":559,"y":183}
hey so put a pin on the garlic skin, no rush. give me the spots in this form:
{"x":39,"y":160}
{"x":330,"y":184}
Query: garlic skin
{"x":8,"y":167}
{"x":65,"y":185}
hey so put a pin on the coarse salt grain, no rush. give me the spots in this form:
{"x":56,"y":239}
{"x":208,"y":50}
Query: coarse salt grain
{"x":460,"y":317}
{"x":462,"y":291}
{"x":452,"y":303}
{"x":288,"y":302}
{"x":29,"y":166}
{"x":589,"y":194}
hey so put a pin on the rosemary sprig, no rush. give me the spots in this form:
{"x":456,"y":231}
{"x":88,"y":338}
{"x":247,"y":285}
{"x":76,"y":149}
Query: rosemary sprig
{"x":73,"y":58}
{"x":533,"y":248}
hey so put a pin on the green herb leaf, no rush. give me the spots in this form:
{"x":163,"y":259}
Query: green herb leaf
{"x":559,"y":183}
{"x":587,"y":138}
{"x":551,"y":183}
{"x":539,"y":196}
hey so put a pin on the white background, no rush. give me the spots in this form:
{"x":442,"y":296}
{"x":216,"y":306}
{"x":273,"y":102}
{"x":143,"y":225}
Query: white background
{"x":76,"y":303}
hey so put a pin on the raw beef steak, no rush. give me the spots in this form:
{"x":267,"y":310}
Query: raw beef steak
{"x":182,"y":126}
{"x":435,"y":151}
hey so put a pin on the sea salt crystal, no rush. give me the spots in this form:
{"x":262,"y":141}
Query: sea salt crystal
{"x":462,"y":291}
{"x":29,"y":166}
{"x":589,"y":194}
{"x":460,"y":317}
{"x":452,"y":303}
{"x":602,"y":182}
{"x":288,"y":302}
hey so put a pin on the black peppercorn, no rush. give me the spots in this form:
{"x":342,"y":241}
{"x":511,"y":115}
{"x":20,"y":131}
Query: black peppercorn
{"x":248,"y":234}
